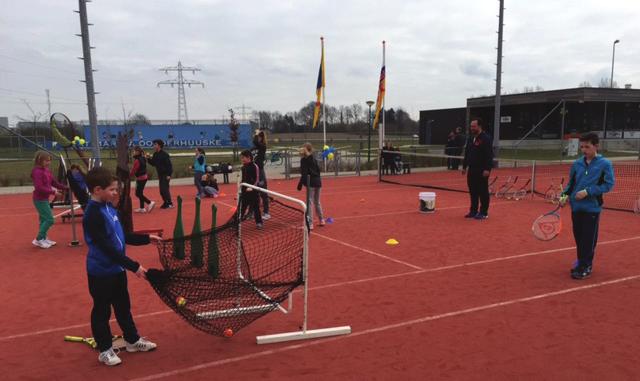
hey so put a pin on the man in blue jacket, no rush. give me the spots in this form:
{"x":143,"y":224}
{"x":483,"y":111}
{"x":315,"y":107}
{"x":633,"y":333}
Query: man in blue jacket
{"x":591,"y":176}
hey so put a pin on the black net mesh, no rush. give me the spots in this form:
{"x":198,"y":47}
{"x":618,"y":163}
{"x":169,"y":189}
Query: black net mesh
{"x":543,"y":178}
{"x":226,"y":277}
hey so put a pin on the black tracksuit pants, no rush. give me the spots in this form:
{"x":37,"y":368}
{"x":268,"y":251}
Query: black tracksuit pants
{"x":478,"y":191}
{"x":585,"y":232}
{"x":110,"y":291}
{"x":163,"y":183}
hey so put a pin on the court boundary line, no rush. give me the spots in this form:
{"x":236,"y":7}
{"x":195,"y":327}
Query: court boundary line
{"x":387,"y":327}
{"x":338,"y":284}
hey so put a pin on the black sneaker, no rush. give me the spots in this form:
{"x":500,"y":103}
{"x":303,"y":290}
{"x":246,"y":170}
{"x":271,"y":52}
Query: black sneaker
{"x":470,"y":215}
{"x":581,"y":272}
{"x":481,"y":216}
{"x":164,"y":206}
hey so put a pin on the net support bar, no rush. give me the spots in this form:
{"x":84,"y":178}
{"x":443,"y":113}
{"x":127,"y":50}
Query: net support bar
{"x":304,"y":333}
{"x":236,"y":311}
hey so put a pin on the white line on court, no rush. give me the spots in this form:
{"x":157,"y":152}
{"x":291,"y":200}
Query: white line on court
{"x":368,"y":251}
{"x":385,"y":328}
{"x":341,"y":284}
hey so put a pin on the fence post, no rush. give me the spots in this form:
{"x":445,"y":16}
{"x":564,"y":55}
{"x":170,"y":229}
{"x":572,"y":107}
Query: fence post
{"x":358,"y":156}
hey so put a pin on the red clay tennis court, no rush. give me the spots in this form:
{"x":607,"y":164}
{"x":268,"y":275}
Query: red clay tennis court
{"x":456,"y":298}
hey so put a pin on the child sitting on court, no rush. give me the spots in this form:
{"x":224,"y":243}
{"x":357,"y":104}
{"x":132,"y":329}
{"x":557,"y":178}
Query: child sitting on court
{"x":249,"y":197}
{"x":106,"y":264}
{"x":210,"y":185}
{"x":45,"y":185}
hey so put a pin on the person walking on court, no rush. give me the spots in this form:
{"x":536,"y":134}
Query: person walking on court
{"x":310,"y":176}
{"x":199,"y":168}
{"x":478,"y":158}
{"x":590,"y":177}
{"x":260,"y":152}
{"x":139,"y":172}
{"x":162,"y":162}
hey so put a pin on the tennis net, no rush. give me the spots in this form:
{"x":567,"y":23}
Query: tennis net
{"x":541,"y":178}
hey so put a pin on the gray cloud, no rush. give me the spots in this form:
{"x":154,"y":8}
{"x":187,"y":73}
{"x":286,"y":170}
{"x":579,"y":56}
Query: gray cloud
{"x":266,"y":53}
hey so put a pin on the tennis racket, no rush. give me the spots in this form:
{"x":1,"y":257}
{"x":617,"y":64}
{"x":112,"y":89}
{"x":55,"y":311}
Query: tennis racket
{"x":90,"y":341}
{"x":65,"y":134}
{"x":117,"y":341}
{"x":549,"y":225}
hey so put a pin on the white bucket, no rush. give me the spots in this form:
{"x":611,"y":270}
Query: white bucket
{"x":427,"y":202}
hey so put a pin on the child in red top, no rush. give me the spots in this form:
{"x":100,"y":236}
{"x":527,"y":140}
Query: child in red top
{"x":45,"y":185}
{"x":139,"y":172}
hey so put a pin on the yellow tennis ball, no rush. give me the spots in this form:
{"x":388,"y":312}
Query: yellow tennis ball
{"x":82,"y":142}
{"x":76,"y":138}
{"x":325,"y":148}
{"x":181,"y":302}
{"x":330,"y":156}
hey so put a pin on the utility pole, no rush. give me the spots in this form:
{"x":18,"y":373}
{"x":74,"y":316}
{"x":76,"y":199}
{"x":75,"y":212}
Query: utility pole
{"x":180,"y":81}
{"x":88,"y":77}
{"x":46,"y":91}
{"x":496,"y":116}
{"x":36,"y":117}
{"x":244,"y":111}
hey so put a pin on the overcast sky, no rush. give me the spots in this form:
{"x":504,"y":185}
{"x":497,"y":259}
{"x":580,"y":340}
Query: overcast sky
{"x":265,"y":54}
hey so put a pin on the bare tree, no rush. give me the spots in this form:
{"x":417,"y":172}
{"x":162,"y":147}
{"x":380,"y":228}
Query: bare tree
{"x":606,"y":82}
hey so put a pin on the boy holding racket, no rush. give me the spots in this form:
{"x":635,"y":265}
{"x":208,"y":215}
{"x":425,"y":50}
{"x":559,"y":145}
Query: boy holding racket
{"x":106,"y":264}
{"x":591,"y":176}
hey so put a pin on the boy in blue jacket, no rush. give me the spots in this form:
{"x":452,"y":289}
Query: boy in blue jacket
{"x":106,"y":264}
{"x":591,"y":176}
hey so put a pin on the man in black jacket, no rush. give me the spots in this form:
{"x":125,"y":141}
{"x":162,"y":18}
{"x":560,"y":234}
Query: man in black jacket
{"x":478,"y":157}
{"x":162,"y":162}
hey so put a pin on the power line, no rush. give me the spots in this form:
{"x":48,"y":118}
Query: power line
{"x":180,"y":81}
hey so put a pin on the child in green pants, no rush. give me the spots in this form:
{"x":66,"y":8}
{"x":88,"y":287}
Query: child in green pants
{"x":44,"y":185}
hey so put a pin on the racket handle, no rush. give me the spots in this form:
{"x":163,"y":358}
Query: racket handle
{"x":74,"y":339}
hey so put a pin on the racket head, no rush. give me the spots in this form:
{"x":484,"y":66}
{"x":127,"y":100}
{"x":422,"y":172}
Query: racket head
{"x":62,"y":129}
{"x":547,"y":226}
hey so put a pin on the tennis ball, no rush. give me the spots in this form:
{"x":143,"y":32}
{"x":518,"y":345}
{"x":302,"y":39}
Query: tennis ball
{"x":330,"y":156}
{"x":181,"y":302}
{"x":76,"y":138}
{"x":325,"y":148}
{"x":82,"y":142}
{"x":228,"y":332}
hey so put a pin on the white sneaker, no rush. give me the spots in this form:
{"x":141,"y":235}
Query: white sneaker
{"x":266,"y":216}
{"x":43,"y":244}
{"x":140,"y":210}
{"x":150,"y":206}
{"x":50,"y":242}
{"x":142,"y":345}
{"x":109,"y":357}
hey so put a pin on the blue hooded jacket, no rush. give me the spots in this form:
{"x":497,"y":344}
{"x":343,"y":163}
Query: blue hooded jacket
{"x":106,"y":241}
{"x":596,"y":178}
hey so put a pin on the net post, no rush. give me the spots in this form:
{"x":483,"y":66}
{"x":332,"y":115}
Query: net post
{"x":74,"y":238}
{"x":533,"y":178}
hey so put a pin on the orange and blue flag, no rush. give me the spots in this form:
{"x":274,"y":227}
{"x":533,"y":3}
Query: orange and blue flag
{"x":319,"y":87}
{"x":380,"y":99}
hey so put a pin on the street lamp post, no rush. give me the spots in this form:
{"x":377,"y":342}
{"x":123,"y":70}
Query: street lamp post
{"x":369,"y":103}
{"x":604,"y":118}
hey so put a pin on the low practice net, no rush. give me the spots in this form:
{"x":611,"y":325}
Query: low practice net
{"x":222,"y":279}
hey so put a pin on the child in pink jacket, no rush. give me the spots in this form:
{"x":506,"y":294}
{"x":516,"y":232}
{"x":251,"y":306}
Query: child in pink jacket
{"x":45,"y":186}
